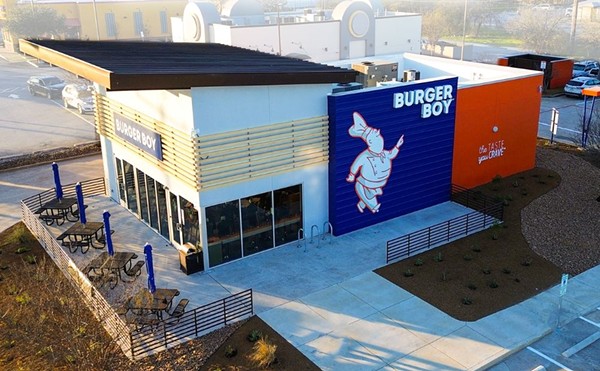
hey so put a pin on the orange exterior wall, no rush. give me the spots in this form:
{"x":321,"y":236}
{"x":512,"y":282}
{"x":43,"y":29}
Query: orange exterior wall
{"x":480,"y":153}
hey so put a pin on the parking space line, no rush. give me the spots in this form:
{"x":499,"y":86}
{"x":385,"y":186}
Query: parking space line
{"x":581,"y":345}
{"x":549,"y":359}
{"x":559,"y":128}
{"x":590,"y":321}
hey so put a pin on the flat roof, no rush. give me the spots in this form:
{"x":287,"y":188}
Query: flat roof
{"x":146,"y":65}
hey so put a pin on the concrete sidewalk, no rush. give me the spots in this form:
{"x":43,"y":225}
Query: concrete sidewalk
{"x":367,"y":323}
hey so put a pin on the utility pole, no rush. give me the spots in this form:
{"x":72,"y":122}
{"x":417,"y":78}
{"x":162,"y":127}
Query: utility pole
{"x":96,"y":20}
{"x":462,"y":49}
{"x":279,"y":28}
{"x":573,"y":27}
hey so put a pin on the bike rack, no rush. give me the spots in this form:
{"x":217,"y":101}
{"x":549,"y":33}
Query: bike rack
{"x":301,"y":238}
{"x":312,"y":235}
{"x":327,"y":227}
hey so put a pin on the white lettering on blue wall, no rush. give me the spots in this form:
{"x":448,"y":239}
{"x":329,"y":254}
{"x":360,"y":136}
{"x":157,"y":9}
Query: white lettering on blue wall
{"x":434,"y":101}
{"x":136,"y":134}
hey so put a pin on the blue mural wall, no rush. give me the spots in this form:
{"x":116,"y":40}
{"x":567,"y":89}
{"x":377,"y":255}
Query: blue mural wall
{"x":390,"y":151}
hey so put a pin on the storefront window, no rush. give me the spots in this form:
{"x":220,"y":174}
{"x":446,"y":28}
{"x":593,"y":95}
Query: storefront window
{"x":121,"y":181}
{"x":152,"y":207}
{"x":161,"y":196}
{"x":130,"y":187}
{"x":257,"y":223}
{"x":176,"y":224}
{"x":223,"y":231}
{"x":288,"y":214}
{"x":191,"y":224}
{"x":142,"y":196}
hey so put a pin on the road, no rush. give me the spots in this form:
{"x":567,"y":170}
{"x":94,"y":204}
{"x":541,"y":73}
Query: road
{"x":25,"y":117}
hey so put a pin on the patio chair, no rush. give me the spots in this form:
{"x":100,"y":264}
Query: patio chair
{"x":135,"y":271}
{"x":177,"y":312}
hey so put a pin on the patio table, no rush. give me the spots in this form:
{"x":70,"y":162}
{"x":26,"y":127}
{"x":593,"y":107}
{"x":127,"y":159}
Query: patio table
{"x":84,"y":236}
{"x":105,"y":265}
{"x":59,"y":210}
{"x":143,"y":302}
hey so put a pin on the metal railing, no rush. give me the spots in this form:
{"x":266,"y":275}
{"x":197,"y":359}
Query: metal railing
{"x":134,"y":343}
{"x":488,"y":212}
{"x":194,"y":323}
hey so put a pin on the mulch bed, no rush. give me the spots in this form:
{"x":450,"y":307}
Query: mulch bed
{"x":487,"y":271}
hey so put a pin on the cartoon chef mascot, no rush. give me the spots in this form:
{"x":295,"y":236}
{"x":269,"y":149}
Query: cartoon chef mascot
{"x":374,"y":164}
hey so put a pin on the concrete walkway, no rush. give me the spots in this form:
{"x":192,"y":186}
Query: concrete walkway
{"x":330,"y":305}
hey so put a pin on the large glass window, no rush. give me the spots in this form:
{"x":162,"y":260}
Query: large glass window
{"x":288,"y":214}
{"x":191,"y":224}
{"x":176,"y":224}
{"x":152,"y":206}
{"x":257,"y":223}
{"x":130,"y":187}
{"x":142,"y":195}
{"x":111,"y":25}
{"x":121,"y":181}
{"x":223,"y":231}
{"x":161,"y":197}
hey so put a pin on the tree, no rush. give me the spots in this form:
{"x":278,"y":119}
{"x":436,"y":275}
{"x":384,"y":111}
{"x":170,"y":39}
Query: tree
{"x":540,"y":31}
{"x":36,"y":22}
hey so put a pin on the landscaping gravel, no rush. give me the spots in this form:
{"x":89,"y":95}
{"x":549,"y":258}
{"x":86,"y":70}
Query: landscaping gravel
{"x":564,"y":225}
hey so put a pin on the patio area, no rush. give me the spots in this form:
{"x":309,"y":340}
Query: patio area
{"x":276,"y":276}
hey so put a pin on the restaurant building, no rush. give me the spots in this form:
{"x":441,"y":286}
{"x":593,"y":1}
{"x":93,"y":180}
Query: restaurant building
{"x":230,"y":152}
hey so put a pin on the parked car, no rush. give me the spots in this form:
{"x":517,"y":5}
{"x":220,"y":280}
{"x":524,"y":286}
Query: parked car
{"x":47,"y":86}
{"x":543,"y":7}
{"x":78,"y":96}
{"x":568,"y":12}
{"x":583,"y":68}
{"x":576,"y":85}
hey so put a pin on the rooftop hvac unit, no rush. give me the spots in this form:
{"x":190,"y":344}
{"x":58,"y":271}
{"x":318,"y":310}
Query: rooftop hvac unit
{"x":374,"y":72}
{"x":337,"y":88}
{"x":411,"y":75}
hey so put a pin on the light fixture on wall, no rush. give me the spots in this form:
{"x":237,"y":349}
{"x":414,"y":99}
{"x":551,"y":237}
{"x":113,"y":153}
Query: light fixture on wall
{"x":495,"y":129}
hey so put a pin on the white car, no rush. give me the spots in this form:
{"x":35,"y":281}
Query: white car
{"x":576,"y":85}
{"x":78,"y":96}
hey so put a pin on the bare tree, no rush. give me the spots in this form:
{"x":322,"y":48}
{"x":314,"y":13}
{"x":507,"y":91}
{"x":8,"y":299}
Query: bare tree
{"x":588,"y":34}
{"x":35,"y":22}
{"x":540,"y":31}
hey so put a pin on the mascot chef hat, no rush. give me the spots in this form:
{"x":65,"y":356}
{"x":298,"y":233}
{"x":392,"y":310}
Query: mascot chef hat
{"x":360,"y":128}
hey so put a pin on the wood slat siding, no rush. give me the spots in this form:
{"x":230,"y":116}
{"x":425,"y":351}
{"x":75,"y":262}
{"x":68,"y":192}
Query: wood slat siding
{"x":212,"y":161}
{"x":242,"y":155}
{"x":177,"y":146}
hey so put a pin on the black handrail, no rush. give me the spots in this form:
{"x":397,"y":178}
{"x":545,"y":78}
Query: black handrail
{"x":193,"y":323}
{"x":488,"y":212}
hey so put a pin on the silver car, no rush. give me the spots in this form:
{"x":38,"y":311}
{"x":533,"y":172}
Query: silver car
{"x":575,"y":86}
{"x":78,"y":96}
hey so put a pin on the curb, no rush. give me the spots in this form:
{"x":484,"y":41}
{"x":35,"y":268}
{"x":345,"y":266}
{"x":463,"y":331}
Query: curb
{"x":49,"y":156}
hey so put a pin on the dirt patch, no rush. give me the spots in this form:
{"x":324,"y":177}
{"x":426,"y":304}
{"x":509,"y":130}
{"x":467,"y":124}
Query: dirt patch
{"x":41,"y":157}
{"x":487,"y":271}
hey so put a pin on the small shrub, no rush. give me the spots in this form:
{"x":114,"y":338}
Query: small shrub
{"x":30,"y":259}
{"x":495,"y":236}
{"x":467,"y":301}
{"x":505,"y":202}
{"x":493,"y":284}
{"x":472,"y":286}
{"x":13,"y":290}
{"x":419,"y":262}
{"x":486,"y":271}
{"x":550,"y":176}
{"x":497,"y":179}
{"x":515,"y":184}
{"x":22,"y":250}
{"x":505,"y":270}
{"x":438,"y":257}
{"x":526,"y":262}
{"x":445,"y":276}
{"x":8,"y":344}
{"x":230,"y":351}
{"x":524,"y":192}
{"x":468,"y":257}
{"x":254,"y":335}
{"x":517,"y":280}
{"x":408,"y":273}
{"x":476,"y":249}
{"x":541,"y":181}
{"x":263,"y":353}
{"x":23,"y":298}
{"x":70,"y":359}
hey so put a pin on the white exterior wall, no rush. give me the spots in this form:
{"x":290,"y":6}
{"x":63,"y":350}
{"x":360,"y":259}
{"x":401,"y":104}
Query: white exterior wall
{"x":398,"y":34}
{"x":223,"y":109}
{"x":319,"y":40}
{"x":173,"y":107}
